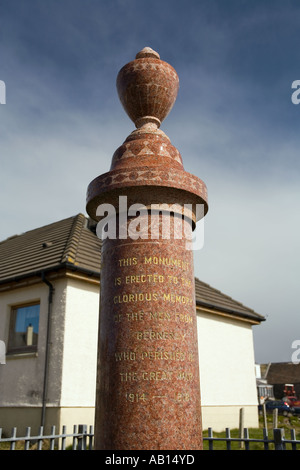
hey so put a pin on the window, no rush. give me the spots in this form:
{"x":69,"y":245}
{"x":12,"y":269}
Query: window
{"x":24,"y":327}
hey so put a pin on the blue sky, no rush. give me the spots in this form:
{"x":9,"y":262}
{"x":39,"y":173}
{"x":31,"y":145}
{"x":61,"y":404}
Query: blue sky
{"x":233,"y":122}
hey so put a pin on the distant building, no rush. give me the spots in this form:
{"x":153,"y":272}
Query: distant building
{"x":49,"y":304}
{"x":264,"y":390}
{"x":280,"y":374}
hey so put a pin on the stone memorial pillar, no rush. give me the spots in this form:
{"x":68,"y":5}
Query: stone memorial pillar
{"x":148,"y":391}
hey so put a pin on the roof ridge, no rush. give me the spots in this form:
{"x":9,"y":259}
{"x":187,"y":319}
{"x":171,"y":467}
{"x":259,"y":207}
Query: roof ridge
{"x":69,"y":254}
{"x":225,"y":295}
{"x":29,"y":232}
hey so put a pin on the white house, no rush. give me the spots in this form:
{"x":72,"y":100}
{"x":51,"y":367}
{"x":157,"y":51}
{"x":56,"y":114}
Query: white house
{"x":49,"y":304}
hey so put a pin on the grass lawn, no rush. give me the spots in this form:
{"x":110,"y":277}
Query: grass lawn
{"x":286,"y":423}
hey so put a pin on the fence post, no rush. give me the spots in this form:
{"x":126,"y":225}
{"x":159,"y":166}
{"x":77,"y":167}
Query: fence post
{"x":27,"y":438}
{"x":265,"y":415}
{"x":91,"y":435}
{"x":279,"y":439}
{"x":228,"y":439}
{"x":246,"y":439}
{"x":52,"y":438}
{"x":40,"y":438}
{"x":82,"y":429}
{"x":13,"y":438}
{"x":266,"y":439}
{"x":275,"y":418}
{"x":210,"y":441}
{"x":293,"y":438}
{"x":63,"y":438}
{"x":242,"y":420}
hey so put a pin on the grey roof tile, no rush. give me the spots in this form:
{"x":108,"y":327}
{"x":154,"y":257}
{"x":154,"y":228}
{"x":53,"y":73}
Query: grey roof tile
{"x":70,"y":243}
{"x":209,"y":297}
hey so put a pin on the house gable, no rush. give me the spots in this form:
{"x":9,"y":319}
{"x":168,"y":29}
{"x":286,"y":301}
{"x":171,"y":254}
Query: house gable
{"x":67,"y":254}
{"x":69,"y":248}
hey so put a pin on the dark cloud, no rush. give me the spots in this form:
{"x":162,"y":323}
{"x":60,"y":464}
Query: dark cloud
{"x":233,"y":122}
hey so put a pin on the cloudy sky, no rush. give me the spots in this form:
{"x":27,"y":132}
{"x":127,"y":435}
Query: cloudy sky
{"x":234,"y":124}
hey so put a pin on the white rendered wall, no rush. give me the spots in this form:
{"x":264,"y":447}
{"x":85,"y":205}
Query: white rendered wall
{"x":72,"y":358}
{"x":227,"y":372}
{"x":21,"y":378}
{"x":227,"y":368}
{"x":80,"y":345}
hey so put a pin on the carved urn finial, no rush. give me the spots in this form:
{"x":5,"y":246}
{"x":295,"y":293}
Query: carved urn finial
{"x":147,"y":88}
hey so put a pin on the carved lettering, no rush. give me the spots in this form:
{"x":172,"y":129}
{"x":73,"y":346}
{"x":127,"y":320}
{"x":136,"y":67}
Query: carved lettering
{"x":139,"y":316}
{"x":142,"y":278}
{"x":151,"y":348}
{"x":185,"y":376}
{"x":142,"y":397}
{"x":160,"y":316}
{"x":163,"y":355}
{"x":118,"y":317}
{"x":159,"y":335}
{"x":183,"y":318}
{"x":170,"y":262}
{"x":136,"y":397}
{"x":173,"y":279}
{"x":186,"y":282}
{"x":159,"y":375}
{"x":185,"y":396}
{"x":128,"y":376}
{"x":174,"y":298}
{"x":127,"y":262}
{"x":140,"y":297}
{"x":153,"y":355}
{"x":125,"y":356}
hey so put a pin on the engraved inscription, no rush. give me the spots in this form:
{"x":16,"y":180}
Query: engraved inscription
{"x":127,"y":262}
{"x":125,"y":356}
{"x":181,"y":299}
{"x":154,"y":316}
{"x":142,"y":278}
{"x":159,"y":335}
{"x":136,"y":397}
{"x":159,"y":375}
{"x":170,"y":262}
{"x":163,"y":355}
{"x":143,"y":397}
{"x":139,"y":297}
{"x":153,"y":355}
{"x":138,"y":284}
{"x":152,"y":279}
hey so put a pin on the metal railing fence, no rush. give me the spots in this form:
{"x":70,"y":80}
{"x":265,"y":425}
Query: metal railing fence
{"x":277,"y":442}
{"x":82,"y":438}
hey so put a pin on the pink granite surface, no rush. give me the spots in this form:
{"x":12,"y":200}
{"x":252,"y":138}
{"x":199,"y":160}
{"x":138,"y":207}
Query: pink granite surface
{"x":148,"y":391}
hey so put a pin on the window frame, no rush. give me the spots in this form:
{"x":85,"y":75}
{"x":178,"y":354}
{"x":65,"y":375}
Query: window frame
{"x":11,"y":350}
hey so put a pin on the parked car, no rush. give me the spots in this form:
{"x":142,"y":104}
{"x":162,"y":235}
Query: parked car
{"x":294,"y":404}
{"x":282,"y":406}
{"x":295,"y":410}
{"x":292,"y":401}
